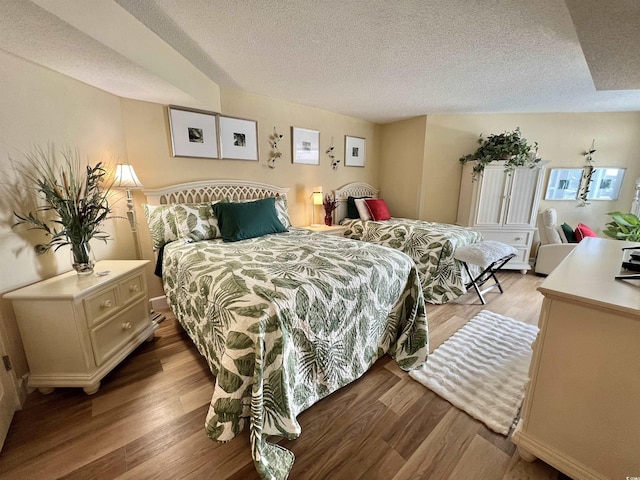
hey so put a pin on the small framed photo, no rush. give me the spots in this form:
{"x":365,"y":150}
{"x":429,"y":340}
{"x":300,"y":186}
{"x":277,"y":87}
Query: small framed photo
{"x":564,"y":184}
{"x":194,"y":133}
{"x":354,"y":151}
{"x":305,"y":146}
{"x":238,"y":138}
{"x":605,"y":183}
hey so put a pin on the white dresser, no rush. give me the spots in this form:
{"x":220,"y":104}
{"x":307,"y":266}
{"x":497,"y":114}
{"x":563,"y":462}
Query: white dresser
{"x":581,"y":412}
{"x":502,"y":206}
{"x":75,"y":329}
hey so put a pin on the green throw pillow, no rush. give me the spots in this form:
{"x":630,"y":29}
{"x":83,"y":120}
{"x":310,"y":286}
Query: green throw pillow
{"x":569,"y":233}
{"x":240,"y":221}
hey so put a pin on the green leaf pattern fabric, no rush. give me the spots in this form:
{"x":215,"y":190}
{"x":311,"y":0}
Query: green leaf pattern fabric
{"x":282,"y":210}
{"x":286,"y":319}
{"x":431,"y":245}
{"x":195,"y":221}
{"x":162,"y":224}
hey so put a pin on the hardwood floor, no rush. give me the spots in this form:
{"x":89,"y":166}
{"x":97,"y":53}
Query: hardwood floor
{"x":147,"y":419}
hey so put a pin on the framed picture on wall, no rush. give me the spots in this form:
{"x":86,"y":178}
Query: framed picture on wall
{"x":564,"y":184}
{"x":238,"y":138}
{"x":194,"y":133}
{"x":605,"y":183}
{"x":305,"y":146}
{"x":354,"y":151}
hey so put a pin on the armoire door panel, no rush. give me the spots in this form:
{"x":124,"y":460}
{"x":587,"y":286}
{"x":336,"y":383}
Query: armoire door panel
{"x":491,"y":202}
{"x":521,"y":197}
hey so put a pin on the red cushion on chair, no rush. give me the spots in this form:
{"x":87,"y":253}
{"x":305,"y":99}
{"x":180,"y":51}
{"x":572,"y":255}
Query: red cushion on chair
{"x":378,"y":208}
{"x":583,"y":231}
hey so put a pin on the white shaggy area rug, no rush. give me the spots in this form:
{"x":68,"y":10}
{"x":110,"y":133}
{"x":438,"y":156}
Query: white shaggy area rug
{"x":483,"y":368}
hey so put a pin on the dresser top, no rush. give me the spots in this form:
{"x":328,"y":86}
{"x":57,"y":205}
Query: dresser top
{"x":588,"y":275}
{"x":72,"y":285}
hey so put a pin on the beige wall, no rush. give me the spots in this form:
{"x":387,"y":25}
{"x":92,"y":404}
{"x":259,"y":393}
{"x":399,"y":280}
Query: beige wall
{"x":403,"y":152}
{"x":40,"y":106}
{"x":562,"y":139}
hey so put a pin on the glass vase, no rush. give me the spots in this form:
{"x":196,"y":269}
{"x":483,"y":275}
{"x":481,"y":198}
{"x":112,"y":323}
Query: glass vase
{"x":328,"y":219}
{"x":82,"y":258}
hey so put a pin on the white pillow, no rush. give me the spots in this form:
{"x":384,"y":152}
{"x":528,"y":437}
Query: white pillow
{"x":363,"y":209}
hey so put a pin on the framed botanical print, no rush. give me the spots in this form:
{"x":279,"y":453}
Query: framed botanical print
{"x":194,"y":133}
{"x":238,"y":138}
{"x":354,"y":151}
{"x":305,"y":146}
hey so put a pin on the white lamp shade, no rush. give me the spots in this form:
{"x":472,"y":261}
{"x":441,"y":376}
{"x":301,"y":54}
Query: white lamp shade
{"x":317,"y":198}
{"x":126,"y":177}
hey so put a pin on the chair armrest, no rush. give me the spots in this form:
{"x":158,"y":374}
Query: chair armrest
{"x":550,"y":255}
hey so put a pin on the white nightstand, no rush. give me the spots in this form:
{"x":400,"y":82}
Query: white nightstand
{"x":337,"y":230}
{"x":76,"y":329}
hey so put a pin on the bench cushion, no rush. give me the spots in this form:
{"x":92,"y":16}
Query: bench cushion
{"x":483,"y":253}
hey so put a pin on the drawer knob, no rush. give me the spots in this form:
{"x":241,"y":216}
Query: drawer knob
{"x":134,"y":288}
{"x":518,"y":238}
{"x":106,"y":304}
{"x":126,"y":326}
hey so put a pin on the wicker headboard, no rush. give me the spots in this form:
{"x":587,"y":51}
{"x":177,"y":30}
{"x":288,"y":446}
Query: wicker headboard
{"x":210,"y":190}
{"x":354,"y":189}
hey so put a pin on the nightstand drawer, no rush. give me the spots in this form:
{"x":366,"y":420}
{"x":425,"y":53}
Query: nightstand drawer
{"x":132,"y":289}
{"x":101,"y":305}
{"x":108,"y":338}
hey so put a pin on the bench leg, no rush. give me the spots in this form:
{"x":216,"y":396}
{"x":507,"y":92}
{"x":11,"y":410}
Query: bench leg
{"x":474,"y":284}
{"x":487,"y":274}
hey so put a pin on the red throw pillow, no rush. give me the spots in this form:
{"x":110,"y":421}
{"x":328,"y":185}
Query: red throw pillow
{"x":378,"y":208}
{"x":583,"y":231}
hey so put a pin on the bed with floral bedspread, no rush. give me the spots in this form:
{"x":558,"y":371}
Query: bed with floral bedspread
{"x":286,"y":319}
{"x":430,"y":245}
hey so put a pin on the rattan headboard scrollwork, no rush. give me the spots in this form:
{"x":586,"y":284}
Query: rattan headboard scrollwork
{"x":210,"y":190}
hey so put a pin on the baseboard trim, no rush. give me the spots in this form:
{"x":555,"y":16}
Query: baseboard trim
{"x":159,"y":303}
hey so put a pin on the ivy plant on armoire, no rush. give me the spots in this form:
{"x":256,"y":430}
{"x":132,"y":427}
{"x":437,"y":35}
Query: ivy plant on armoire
{"x":503,"y":206}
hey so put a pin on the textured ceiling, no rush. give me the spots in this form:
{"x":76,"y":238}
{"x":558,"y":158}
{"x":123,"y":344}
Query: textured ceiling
{"x":377,"y":60}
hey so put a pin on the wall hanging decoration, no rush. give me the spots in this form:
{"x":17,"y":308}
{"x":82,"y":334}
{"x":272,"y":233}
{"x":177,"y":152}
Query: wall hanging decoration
{"x":275,"y":154}
{"x":305,"y":146}
{"x":194,"y":133}
{"x":509,"y":147}
{"x":332,"y":156}
{"x":588,"y":174}
{"x":354,"y":151}
{"x":238,"y":139}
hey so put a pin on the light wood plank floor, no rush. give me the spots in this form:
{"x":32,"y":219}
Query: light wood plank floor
{"x":147,"y":419}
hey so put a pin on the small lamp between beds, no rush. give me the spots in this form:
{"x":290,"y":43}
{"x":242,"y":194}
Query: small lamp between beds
{"x":316,"y":199}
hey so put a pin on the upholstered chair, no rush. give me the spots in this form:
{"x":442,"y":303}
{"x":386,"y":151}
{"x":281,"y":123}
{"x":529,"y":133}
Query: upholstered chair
{"x":554,"y":246}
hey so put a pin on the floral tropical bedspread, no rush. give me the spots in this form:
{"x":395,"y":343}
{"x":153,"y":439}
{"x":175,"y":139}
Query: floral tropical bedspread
{"x":286,"y":319}
{"x":431,"y":245}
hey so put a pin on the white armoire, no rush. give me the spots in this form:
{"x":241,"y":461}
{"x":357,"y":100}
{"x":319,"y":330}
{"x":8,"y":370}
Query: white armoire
{"x":502,"y":206}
